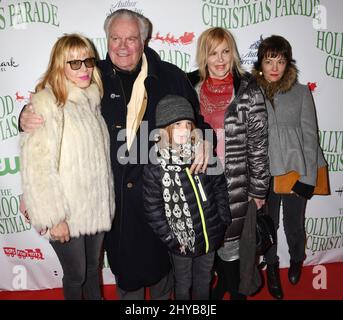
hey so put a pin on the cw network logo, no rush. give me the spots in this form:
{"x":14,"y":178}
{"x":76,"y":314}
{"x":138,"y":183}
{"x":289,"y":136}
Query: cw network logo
{"x":6,"y":167}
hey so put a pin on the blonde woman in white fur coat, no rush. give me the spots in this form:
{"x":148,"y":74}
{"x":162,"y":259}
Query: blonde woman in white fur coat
{"x":66,"y":170}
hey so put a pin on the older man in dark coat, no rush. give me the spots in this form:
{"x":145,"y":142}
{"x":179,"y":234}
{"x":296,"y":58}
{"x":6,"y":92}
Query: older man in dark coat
{"x":135,"y":78}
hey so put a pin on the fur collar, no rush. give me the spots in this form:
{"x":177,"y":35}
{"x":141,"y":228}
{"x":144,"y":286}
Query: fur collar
{"x":283,"y":85}
{"x":79,"y":95}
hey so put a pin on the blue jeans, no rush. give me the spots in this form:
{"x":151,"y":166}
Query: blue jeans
{"x":193,"y":273}
{"x":79,"y":259}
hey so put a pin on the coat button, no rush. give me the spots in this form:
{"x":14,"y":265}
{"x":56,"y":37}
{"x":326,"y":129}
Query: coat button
{"x":129,"y":185}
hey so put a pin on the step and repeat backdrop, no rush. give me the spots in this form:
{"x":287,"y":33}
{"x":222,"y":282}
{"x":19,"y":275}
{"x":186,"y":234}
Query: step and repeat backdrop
{"x":28,"y":29}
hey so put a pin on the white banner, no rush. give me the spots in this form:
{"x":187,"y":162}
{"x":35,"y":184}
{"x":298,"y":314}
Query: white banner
{"x":28,"y":29}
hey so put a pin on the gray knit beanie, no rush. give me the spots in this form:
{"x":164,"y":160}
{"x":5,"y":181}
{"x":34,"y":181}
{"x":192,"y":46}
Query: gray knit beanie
{"x":173,"y":108}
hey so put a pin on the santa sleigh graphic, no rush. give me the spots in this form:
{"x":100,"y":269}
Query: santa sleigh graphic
{"x":185,"y":39}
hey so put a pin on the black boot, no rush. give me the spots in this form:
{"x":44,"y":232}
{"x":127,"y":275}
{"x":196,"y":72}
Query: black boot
{"x":228,"y":280}
{"x":273,"y":281}
{"x":294,"y":272}
{"x":233,"y":278}
{"x":220,"y":289}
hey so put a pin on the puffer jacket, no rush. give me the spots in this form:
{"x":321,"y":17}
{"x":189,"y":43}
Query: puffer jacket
{"x":208,"y":206}
{"x":246,"y":148}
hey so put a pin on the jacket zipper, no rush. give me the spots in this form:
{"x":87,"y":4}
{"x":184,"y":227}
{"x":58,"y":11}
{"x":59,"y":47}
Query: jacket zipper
{"x":200,"y":209}
{"x":201,"y":189}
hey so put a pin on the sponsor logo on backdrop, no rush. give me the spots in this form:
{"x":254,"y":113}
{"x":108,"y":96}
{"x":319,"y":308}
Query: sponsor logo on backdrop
{"x":234,"y":14}
{"x":174,"y":44}
{"x":130,"y":5}
{"x":332,"y":144}
{"x":248,"y":58}
{"x":8,"y":64}
{"x":324,"y":233}
{"x":8,"y":117}
{"x":11,"y":220}
{"x":19,"y":15}
{"x":332,"y":44}
{"x":23,"y":253}
{"x":9,"y":166}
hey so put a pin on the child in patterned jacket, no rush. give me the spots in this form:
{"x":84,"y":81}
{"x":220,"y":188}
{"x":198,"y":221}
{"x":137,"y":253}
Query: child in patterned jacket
{"x":188,"y":212}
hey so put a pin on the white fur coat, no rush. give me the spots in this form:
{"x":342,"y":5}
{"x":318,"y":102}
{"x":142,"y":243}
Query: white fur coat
{"x":78,"y":190}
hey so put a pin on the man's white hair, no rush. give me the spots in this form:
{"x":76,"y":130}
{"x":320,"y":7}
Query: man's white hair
{"x":143,"y":22}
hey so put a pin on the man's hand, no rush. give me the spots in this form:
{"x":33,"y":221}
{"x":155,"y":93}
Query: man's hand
{"x":29,"y":120}
{"x":60,"y":232}
{"x":202,"y":156}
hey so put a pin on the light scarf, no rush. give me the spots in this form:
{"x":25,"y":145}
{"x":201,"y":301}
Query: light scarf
{"x":137,"y":105}
{"x":176,"y":207}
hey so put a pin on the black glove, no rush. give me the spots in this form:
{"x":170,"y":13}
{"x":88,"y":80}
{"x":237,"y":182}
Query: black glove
{"x":303,"y":190}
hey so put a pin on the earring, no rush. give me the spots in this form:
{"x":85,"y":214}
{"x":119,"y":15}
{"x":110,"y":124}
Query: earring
{"x":260,"y":73}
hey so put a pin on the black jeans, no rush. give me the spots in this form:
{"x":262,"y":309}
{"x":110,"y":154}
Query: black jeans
{"x":159,"y":291}
{"x":81,"y":268}
{"x":293,"y":222}
{"x":195,"y":273}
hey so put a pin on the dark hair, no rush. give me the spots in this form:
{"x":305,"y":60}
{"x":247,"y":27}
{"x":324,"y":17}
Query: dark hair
{"x":272,"y":47}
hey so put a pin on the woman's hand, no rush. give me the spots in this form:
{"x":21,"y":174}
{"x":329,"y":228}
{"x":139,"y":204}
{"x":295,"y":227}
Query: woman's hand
{"x":29,"y":120}
{"x":23,"y":209}
{"x":60,"y":232}
{"x":259,"y":202}
{"x":202,"y":156}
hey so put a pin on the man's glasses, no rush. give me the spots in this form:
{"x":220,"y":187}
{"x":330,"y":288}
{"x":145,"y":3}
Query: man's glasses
{"x":76,"y":64}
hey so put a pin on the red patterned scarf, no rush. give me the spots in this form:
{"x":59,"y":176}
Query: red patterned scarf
{"x":215,"y":97}
{"x":216,"y":94}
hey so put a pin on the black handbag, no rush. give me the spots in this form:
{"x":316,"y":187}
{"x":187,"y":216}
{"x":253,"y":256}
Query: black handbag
{"x":265,"y":231}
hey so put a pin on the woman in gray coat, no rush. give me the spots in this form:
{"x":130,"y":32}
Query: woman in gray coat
{"x":293,"y":146}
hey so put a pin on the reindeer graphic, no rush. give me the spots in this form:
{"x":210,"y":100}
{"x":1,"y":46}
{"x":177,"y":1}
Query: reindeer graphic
{"x":18,"y":97}
{"x":312,"y":85}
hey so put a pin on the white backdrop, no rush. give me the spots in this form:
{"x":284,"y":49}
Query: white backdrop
{"x":28,"y":30}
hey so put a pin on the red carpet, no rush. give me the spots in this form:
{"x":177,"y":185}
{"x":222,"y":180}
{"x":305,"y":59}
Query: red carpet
{"x":304,"y":290}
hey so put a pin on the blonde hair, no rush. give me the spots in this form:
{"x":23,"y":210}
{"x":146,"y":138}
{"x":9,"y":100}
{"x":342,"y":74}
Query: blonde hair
{"x":165,"y":138}
{"x":55,"y":76}
{"x":208,"y":41}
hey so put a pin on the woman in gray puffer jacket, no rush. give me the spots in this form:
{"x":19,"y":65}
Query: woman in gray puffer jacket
{"x":233,"y":104}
